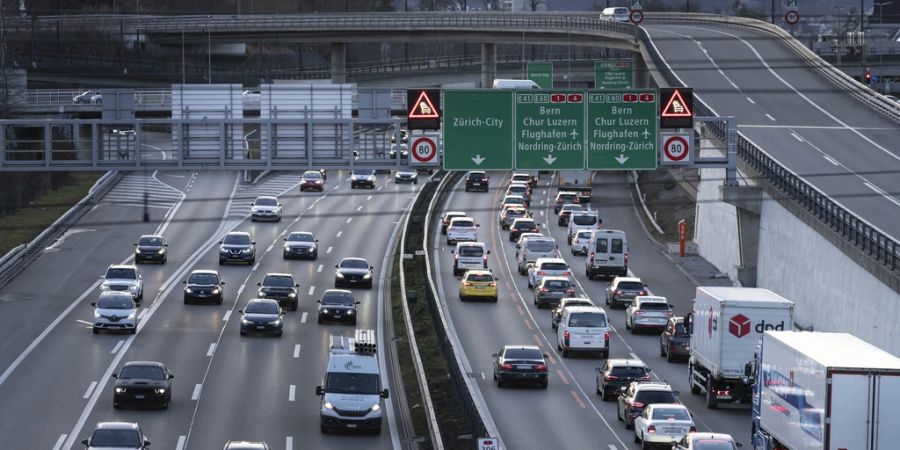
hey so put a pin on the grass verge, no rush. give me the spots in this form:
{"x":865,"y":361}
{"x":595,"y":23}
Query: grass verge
{"x":23,"y":225}
{"x":669,"y":200}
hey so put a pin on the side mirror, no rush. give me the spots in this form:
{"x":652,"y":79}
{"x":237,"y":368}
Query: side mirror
{"x":336,"y":266}
{"x":146,"y":443}
{"x":452,"y":251}
{"x":253,"y":243}
{"x":222,"y":283}
{"x":171,"y":376}
{"x":259,"y":284}
{"x":488,"y":252}
{"x":493,"y":355}
{"x":385,"y":394}
{"x":220,"y":242}
{"x":319,"y":390}
{"x":318,"y":301}
{"x":357,"y":302}
{"x":279,"y":205}
{"x":545,"y":355}
{"x":135,"y":244}
{"x":241,"y":311}
{"x":84,"y":442}
{"x":284,"y":239}
{"x":738,"y":444}
{"x":477,"y":225}
{"x":296,"y":285}
{"x":165,"y":245}
{"x":677,"y":393}
{"x":184,"y":282}
{"x":94,"y":304}
{"x":689,"y":323}
{"x":371,"y":267}
{"x":649,"y":370}
{"x":317,"y":240}
{"x":115,"y":376}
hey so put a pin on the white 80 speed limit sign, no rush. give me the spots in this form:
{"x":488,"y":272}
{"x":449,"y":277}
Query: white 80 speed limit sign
{"x":424,"y":151}
{"x":676,"y":149}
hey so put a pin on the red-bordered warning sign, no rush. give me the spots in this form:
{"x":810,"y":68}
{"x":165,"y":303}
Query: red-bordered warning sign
{"x":676,"y":108}
{"x":423,"y":108}
{"x":424,"y":111}
{"x":424,"y":150}
{"x":636,"y":16}
{"x":792,"y":17}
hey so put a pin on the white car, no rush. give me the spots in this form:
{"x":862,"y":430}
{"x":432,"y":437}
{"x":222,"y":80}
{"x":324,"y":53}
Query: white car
{"x":662,"y":423}
{"x":469,"y":256}
{"x":265,"y":208}
{"x":704,"y":441}
{"x":362,"y":178}
{"x":252,"y":96}
{"x":547,"y":267}
{"x":462,"y":229}
{"x":647,"y":311}
{"x":513,"y":200}
{"x":124,"y":278}
{"x":615,"y":14}
{"x":406,"y":175}
{"x":88,"y":97}
{"x":580,"y":242}
{"x":583,"y":221}
{"x":115,"y":311}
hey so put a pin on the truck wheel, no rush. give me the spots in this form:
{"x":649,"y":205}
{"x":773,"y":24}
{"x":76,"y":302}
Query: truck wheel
{"x":711,"y":402}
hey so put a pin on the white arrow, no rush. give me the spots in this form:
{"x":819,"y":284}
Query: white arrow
{"x":621,"y":159}
{"x":478,"y":159}
{"x":549,"y":159}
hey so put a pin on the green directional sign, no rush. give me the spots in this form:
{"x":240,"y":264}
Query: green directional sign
{"x":478,"y":130}
{"x":612,"y":74}
{"x":622,"y":129}
{"x":541,"y":73}
{"x":549,"y":130}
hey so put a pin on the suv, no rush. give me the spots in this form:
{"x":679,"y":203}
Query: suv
{"x":337,"y":305}
{"x":265,"y":208}
{"x":237,"y":246}
{"x":647,"y":311}
{"x":312,"y":180}
{"x":622,"y":290}
{"x":469,"y":255}
{"x":564,"y":303}
{"x":121,"y":435}
{"x":551,"y":290}
{"x":281,"y":287}
{"x":674,"y":340}
{"x":547,"y":267}
{"x":203,"y":285}
{"x":115,"y":311}
{"x":616,"y":374}
{"x":406,"y":175}
{"x":638,"y":395}
{"x":124,"y":278}
{"x":150,"y":247}
{"x":562,"y":217}
{"x":448,"y":216}
{"x":362,"y":178}
{"x":477,"y":180}
{"x":462,"y":229}
{"x":565,"y":198}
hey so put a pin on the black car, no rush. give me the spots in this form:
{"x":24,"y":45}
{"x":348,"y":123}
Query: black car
{"x":237,"y":247}
{"x":143,"y":383}
{"x":300,"y":244}
{"x":520,"y":226}
{"x":515,"y":363}
{"x":337,"y":305}
{"x":262,"y":316}
{"x":203,"y":286}
{"x":477,"y":180}
{"x":617,"y":374}
{"x":281,"y":287}
{"x":675,"y":342}
{"x":638,"y":395}
{"x":150,"y":248}
{"x":353,"y":272}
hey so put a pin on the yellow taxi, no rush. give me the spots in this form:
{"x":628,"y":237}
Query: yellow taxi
{"x":478,"y":284}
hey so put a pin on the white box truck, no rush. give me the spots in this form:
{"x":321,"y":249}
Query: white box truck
{"x":825,"y":391}
{"x":725,"y":327}
{"x":578,"y":181}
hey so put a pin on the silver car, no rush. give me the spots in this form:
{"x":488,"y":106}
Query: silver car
{"x":115,"y":311}
{"x":124,"y":278}
{"x":551,"y":290}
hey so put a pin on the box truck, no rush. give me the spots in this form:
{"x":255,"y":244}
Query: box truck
{"x":577,"y":181}
{"x":825,"y":391}
{"x":725,"y":327}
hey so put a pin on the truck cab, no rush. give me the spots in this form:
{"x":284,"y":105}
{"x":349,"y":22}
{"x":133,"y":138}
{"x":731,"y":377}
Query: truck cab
{"x":352,"y":398}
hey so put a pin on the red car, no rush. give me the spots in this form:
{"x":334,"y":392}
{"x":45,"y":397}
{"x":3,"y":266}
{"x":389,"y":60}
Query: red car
{"x":312,"y":180}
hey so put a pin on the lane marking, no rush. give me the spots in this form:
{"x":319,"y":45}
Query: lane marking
{"x":748,"y":98}
{"x":578,"y":399}
{"x":882,"y":193}
{"x":797,"y":137}
{"x":369,"y":198}
{"x":528,"y":324}
{"x":240,"y":290}
{"x":380,"y":188}
{"x":90,"y":389}
{"x":255,"y":266}
{"x":320,"y":268}
{"x":227,"y":316}
{"x":349,"y":219}
{"x":303,"y":317}
{"x":770,"y":117}
{"x":180,"y":444}
{"x":289,"y":443}
{"x":269,"y":249}
{"x":359,"y":208}
{"x":562,"y":377}
{"x":329,"y":250}
{"x":117,"y":347}
{"x":196,"y":394}
{"x":212,"y":349}
{"x":340,"y":233}
{"x":297,"y":351}
{"x":292,"y":393}
{"x":311,"y":206}
{"x":831,"y":160}
{"x":142,"y":314}
{"x":312,"y":289}
{"x":519,"y":308}
{"x":60,"y":441}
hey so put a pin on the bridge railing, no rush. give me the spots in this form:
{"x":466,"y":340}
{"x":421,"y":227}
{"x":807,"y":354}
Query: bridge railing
{"x":866,"y":237}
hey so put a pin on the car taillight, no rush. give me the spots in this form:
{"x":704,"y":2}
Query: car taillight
{"x":637,"y":405}
{"x":456,"y":257}
{"x":566,"y":274}
{"x":570,"y":291}
{"x":484,"y":257}
{"x":651,"y":429}
{"x":693,"y":429}
{"x":618,"y":292}
{"x":645,"y":378}
{"x":606,"y":336}
{"x":592,"y":262}
{"x":626,"y":257}
{"x":506,"y":366}
{"x":610,"y":377}
{"x":566,"y":335}
{"x":558,"y":201}
{"x":643,"y":293}
{"x":542,"y":273}
{"x":492,"y":284}
{"x":545,"y":290}
{"x":668,"y":313}
{"x":540,"y":367}
{"x":467,"y":283}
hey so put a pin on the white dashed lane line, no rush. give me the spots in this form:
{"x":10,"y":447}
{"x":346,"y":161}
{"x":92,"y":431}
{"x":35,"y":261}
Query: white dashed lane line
{"x":312,"y":289}
{"x":181,"y":441}
{"x":320,"y":268}
{"x":212,"y":349}
{"x":303,"y":317}
{"x":292,"y":393}
{"x":297,"y":351}
{"x":339,"y":234}
{"x":196,"y":394}
{"x":227,"y":316}
{"x":90,"y":389}
{"x":117,"y":347}
{"x":329,"y":250}
{"x":349,"y":219}
{"x":60,"y":441}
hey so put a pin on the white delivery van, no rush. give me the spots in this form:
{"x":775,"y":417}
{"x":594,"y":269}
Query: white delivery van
{"x":352,"y":397}
{"x":583,"y":329}
{"x":469,"y":255}
{"x":616,"y":14}
{"x":607,"y":254}
{"x":515,"y":84}
{"x":533,"y":248}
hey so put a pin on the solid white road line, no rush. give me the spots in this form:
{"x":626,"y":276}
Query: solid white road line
{"x":303,"y":317}
{"x":117,"y":347}
{"x":319,"y":269}
{"x":797,"y":137}
{"x":831,"y":160}
{"x":269,"y":249}
{"x":297,"y":351}
{"x":180,"y":444}
{"x":240,"y":290}
{"x":227,"y":316}
{"x":60,"y":441}
{"x":255,"y":266}
{"x":311,"y":290}
{"x":90,"y":389}
{"x":212,"y":349}
{"x":889,"y":197}
{"x":289,"y":443}
{"x":142,"y":314}
{"x":196,"y":394}
{"x":292,"y":393}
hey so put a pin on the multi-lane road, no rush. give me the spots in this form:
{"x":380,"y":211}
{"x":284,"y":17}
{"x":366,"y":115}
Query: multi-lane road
{"x":55,"y":374}
{"x":569,"y":412}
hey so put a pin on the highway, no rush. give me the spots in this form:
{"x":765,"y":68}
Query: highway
{"x":55,"y":378}
{"x":569,"y":411}
{"x":836,"y":143}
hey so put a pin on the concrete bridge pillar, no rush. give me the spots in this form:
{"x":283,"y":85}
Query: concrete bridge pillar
{"x":640,"y":76}
{"x":338,"y":63}
{"x":488,"y":64}
{"x":747,"y":201}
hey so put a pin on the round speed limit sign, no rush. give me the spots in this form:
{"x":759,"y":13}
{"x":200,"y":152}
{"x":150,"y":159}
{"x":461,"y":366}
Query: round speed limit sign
{"x":675,"y":149}
{"x":424,"y":150}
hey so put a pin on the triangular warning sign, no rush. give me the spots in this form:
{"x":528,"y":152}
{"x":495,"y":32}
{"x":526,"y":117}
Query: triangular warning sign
{"x":676,"y":106}
{"x":423,"y":108}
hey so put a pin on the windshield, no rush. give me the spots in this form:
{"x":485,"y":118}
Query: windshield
{"x":261,"y":308}
{"x":540,"y":246}
{"x":115,"y":302}
{"x":554,"y":266}
{"x":557,"y":284}
{"x":568,"y":198}
{"x":525,"y":178}
{"x":480,"y":277}
{"x":351,"y":383}
{"x":301,"y":237}
{"x":523,"y":353}
{"x":584,"y":220}
{"x":587,"y":320}
{"x":471,"y":250}
{"x":363,"y":172}
{"x":237,"y":239}
{"x":630,"y":286}
{"x":278,"y":281}
{"x":266,"y":202}
{"x":670,"y":414}
{"x":583,"y":235}
{"x":116,"y":438}
{"x":151,"y":241}
{"x":337,"y":298}
{"x":712,"y":444}
{"x":462,"y":224}
{"x":650,"y":397}
{"x":654,"y":306}
{"x":312,"y":175}
{"x":354,"y":264}
{"x":144,"y":372}
{"x":203,"y":278}
{"x":475,"y":176}
{"x":121,"y":274}
{"x":570,"y":208}
{"x":628,"y":372}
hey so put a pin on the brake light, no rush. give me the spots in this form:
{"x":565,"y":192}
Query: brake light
{"x":626,"y":257}
{"x":668,"y":313}
{"x":545,"y":290}
{"x":506,"y":366}
{"x":456,"y":257}
{"x":567,"y":274}
{"x":610,"y":377}
{"x":643,"y":293}
{"x":540,"y":367}
{"x":484,"y":257}
{"x":606,"y":336}
{"x":492,"y":284}
{"x":592,"y":262}
{"x":467,"y":283}
{"x":570,"y":291}
{"x":566,"y":335}
{"x":645,"y":378}
{"x":637,"y":405}
{"x":558,"y":201}
{"x":638,"y":313}
{"x":620,"y":293}
{"x":651,"y":429}
{"x":542,"y":273}
{"x":693,"y":429}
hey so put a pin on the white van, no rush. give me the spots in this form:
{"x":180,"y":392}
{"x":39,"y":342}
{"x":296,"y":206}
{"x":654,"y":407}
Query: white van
{"x":515,"y":84}
{"x":607,"y":254}
{"x":583,"y":329}
{"x":619,"y":14}
{"x":469,"y":255}
{"x":352,"y":398}
{"x":583,"y":221}
{"x":533,"y":248}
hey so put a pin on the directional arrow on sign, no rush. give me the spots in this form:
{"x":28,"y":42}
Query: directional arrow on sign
{"x":621,"y":159}
{"x":549,"y":159}
{"x":478,"y":159}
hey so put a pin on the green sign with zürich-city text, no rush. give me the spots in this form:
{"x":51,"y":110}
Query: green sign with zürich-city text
{"x":478,"y":130}
{"x":622,"y":129}
{"x":541,"y":73}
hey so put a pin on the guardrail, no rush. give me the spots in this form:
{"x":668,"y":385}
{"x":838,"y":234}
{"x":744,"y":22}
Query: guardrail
{"x":867,"y":238}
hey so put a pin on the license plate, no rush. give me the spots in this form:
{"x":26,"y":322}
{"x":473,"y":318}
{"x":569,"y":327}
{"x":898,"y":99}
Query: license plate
{"x":139,"y":397}
{"x":672,"y":430}
{"x":260,"y":327}
{"x":522,"y":367}
{"x":586,"y":342}
{"x":480,"y":287}
{"x":476,"y":184}
{"x":337,"y":316}
{"x":354,"y":281}
{"x":351,"y":425}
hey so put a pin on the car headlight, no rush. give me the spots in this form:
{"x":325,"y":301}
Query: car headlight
{"x":375,"y":407}
{"x":292,"y":295}
{"x":189,"y":291}
{"x":275,"y":322}
{"x":104,"y":287}
{"x":132,"y":314}
{"x":245,"y":321}
{"x":137,"y":250}
{"x":96,"y":314}
{"x":246,"y":250}
{"x":162,"y":251}
{"x":367,"y":276}
{"x":133,"y":287}
{"x":350,"y":311}
{"x":261,"y":294}
{"x":120,"y":390}
{"x":328,"y":405}
{"x":160,"y":390}
{"x":324,"y":310}
{"x":287,"y":248}
{"x":339,"y":275}
{"x":216,"y":291}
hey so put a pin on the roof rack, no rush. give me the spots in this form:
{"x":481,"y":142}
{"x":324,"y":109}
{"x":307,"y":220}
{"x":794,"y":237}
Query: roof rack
{"x":362,"y":342}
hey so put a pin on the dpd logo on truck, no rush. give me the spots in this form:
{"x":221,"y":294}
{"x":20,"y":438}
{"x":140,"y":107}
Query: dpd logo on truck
{"x":739,"y":326}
